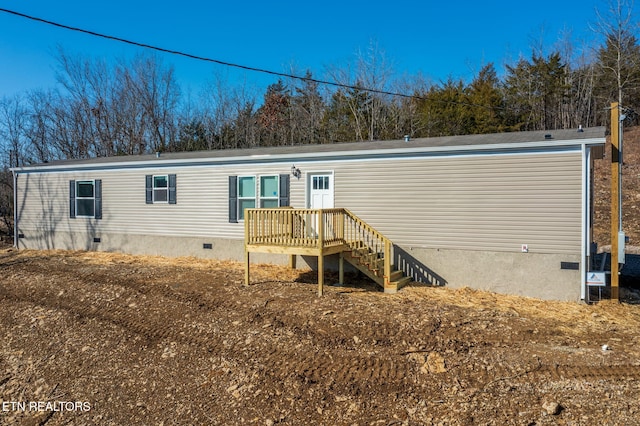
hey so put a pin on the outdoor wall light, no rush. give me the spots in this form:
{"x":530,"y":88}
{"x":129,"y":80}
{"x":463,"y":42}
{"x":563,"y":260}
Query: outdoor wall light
{"x":296,"y":172}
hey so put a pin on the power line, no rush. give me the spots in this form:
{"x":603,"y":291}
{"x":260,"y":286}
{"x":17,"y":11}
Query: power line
{"x":200,"y":58}
{"x":230,"y":64}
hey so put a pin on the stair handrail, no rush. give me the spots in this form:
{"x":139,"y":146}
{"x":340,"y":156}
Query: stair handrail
{"x":355,"y":228}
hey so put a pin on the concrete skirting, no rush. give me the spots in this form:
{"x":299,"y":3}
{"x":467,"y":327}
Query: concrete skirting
{"x":523,"y":274}
{"x":203,"y":247}
{"x":526,"y":274}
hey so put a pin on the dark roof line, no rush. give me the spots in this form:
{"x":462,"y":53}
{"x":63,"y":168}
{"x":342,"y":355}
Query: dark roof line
{"x":436,"y":143}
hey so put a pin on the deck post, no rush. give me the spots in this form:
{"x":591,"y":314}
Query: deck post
{"x":246,"y":267}
{"x":387,"y":263}
{"x":320,"y":274}
{"x":292,"y":261}
{"x":320,"y":221}
{"x":321,"y":252}
{"x":247,"y":240}
{"x":341,"y":269}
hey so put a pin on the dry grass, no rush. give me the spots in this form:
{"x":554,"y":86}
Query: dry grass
{"x":583,"y":316}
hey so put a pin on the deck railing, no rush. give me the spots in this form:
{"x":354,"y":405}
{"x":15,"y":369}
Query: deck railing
{"x":294,"y":227}
{"x":311,"y":228}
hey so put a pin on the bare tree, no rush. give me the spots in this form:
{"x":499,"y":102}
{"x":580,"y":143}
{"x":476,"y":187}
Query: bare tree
{"x":216,"y":112}
{"x":37,"y":135}
{"x":619,"y":56}
{"x":371,"y":71}
{"x":12,"y":131}
{"x":404,"y":113}
{"x":129,"y":108}
{"x":12,"y":151}
{"x":157,"y":93}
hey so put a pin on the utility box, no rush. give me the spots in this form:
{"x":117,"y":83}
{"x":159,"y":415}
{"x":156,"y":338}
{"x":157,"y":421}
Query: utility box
{"x":621,"y":245}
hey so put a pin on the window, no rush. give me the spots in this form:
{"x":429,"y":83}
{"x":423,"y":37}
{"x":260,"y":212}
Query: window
{"x":321,"y":182}
{"x":245,"y":192}
{"x":269,"y":192}
{"x":160,"y":189}
{"x":85,"y":198}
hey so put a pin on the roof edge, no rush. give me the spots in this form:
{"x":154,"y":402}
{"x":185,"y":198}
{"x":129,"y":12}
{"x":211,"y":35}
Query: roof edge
{"x":364,"y":153}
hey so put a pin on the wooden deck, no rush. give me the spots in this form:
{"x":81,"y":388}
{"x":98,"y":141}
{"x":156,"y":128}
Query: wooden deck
{"x":320,"y":233}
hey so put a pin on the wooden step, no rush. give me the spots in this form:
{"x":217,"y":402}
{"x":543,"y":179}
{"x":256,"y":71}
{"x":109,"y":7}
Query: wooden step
{"x":396,"y":275}
{"x":360,"y":252}
{"x":359,"y":265}
{"x":402,"y":282}
{"x":394,"y":286}
{"x":372,"y":265}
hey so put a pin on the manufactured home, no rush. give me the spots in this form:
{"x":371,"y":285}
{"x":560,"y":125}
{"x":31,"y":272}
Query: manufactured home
{"x":507,"y":212}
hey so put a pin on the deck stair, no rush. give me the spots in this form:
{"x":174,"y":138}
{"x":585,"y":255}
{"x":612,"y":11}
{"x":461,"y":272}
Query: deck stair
{"x":319,"y":233}
{"x":371,"y":263}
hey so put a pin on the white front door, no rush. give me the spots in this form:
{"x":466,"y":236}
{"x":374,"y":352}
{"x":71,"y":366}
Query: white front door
{"x":320,"y":189}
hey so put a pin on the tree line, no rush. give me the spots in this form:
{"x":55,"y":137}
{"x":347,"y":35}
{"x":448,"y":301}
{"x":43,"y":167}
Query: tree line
{"x":136,"y":106}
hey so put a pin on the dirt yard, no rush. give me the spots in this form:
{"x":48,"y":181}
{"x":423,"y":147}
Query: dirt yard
{"x":108,"y":339}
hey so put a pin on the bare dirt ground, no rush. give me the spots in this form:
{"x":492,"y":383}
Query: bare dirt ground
{"x":109,"y":339}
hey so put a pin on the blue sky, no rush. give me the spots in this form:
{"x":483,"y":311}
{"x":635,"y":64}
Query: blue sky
{"x":438,"y":39}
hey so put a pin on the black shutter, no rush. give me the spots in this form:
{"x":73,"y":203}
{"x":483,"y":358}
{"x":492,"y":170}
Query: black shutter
{"x":149,"y":188}
{"x":172,"y":189}
{"x":284,"y":191}
{"x":233,"y":199}
{"x":72,"y":199}
{"x":98,"y":198}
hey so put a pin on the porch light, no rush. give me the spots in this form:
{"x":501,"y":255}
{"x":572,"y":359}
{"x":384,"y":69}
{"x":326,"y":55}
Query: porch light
{"x":296,"y":172}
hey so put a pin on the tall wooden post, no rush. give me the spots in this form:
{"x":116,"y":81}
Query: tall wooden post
{"x":321,"y":249}
{"x":247,"y":266}
{"x":387,"y":263}
{"x":320,"y":274}
{"x":615,"y":197}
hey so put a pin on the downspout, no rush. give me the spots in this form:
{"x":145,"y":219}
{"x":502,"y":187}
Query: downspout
{"x":584,"y":222}
{"x":15,"y":208}
{"x":586,"y":219}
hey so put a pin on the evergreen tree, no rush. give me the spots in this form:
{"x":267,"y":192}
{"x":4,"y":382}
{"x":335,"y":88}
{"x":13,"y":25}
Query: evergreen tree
{"x":308,"y":108}
{"x":486,"y":102}
{"x":274,"y":116}
{"x":535,"y":92}
{"x":445,"y":110}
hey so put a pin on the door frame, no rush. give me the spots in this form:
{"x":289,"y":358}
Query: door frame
{"x":308,"y":185}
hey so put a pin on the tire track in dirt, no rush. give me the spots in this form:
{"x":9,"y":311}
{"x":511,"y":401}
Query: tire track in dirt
{"x":346,"y":370}
{"x":136,"y":282}
{"x":568,"y":372}
{"x":119,"y":316}
{"x":596,"y":373}
{"x":372,"y":371}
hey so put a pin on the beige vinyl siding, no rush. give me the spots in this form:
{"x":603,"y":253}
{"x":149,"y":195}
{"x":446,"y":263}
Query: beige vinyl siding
{"x":201,"y":209}
{"x":483,"y":202}
{"x":489,"y":202}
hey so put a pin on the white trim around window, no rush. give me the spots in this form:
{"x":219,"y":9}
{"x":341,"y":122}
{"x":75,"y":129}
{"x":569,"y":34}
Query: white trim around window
{"x":85,"y":198}
{"x":160,"y":189}
{"x":247,"y":194}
